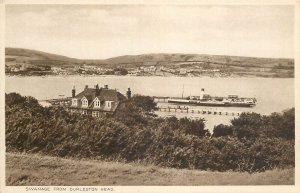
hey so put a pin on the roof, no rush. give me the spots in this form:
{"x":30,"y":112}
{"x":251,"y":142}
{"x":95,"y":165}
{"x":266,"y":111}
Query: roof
{"x":121,"y":96}
{"x":104,"y":94}
{"x":89,"y":98}
{"x":88,"y":92}
{"x":111,"y":95}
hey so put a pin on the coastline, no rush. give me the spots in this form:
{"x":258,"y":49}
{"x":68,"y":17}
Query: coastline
{"x":155,"y":76}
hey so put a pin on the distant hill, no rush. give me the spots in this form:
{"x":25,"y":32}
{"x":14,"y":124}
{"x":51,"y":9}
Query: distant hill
{"x":221,"y":59}
{"x":38,"y":57}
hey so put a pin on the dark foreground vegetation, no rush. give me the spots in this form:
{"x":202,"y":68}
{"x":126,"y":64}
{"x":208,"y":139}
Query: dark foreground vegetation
{"x":252,"y":143}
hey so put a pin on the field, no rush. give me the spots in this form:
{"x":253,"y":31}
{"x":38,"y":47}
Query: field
{"x":33,"y":169}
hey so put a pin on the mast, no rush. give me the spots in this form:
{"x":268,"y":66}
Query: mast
{"x":182,"y":91}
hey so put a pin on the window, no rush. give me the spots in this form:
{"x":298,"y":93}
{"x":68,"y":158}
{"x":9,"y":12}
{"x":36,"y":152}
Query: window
{"x":95,"y":114}
{"x":74,"y":102}
{"x":84,"y":112}
{"x":85,"y":102}
{"x":97,"y":103}
{"x":108,"y":104}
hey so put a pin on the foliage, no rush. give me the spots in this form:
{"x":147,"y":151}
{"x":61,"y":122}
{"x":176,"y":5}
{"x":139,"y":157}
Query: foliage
{"x":252,"y":125}
{"x":132,"y":135}
{"x":222,"y":130}
{"x":145,"y":102}
{"x":122,"y":71}
{"x":131,"y":115}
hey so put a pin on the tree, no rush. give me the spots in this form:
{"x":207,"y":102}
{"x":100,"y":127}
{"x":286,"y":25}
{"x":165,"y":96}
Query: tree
{"x":134,"y":136}
{"x":131,"y":115}
{"x":247,"y":125}
{"x":222,"y":130}
{"x":145,"y":102}
{"x":281,"y":124}
{"x":288,"y":124}
{"x":193,"y":127}
{"x":122,"y":71}
{"x":14,"y":98}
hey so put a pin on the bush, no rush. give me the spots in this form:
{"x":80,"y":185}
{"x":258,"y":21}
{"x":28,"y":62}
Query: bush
{"x":145,"y":102}
{"x":252,"y":126}
{"x":122,"y":71}
{"x":132,"y":136}
{"x":222,"y":130}
{"x":247,"y":125}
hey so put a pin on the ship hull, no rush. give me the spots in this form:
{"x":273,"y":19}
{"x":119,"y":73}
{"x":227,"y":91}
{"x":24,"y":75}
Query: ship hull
{"x":210,"y":104}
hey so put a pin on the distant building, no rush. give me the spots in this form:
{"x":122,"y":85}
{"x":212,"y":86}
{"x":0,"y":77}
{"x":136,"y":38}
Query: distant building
{"x":96,"y":101}
{"x":161,"y":68}
{"x":149,"y":69}
{"x":23,"y":67}
{"x":170,"y":70}
{"x":117,"y":73}
{"x":16,"y":69}
{"x":182,"y":71}
{"x":134,"y":72}
{"x":56,"y":69}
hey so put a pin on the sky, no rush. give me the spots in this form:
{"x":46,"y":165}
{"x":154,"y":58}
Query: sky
{"x":104,"y":31}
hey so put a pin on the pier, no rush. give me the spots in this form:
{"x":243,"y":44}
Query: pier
{"x":57,"y":102}
{"x":164,"y":106}
{"x":204,"y":111}
{"x":160,"y":99}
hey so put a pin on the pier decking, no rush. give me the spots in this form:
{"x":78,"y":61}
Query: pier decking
{"x":57,"y":102}
{"x":187,"y":109}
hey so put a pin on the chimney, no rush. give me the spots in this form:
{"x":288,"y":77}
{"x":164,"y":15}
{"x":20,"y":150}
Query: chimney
{"x":128,"y":93}
{"x":73,"y":92}
{"x":97,"y":90}
{"x":86,"y":87}
{"x":106,"y":86}
{"x":201,"y":93}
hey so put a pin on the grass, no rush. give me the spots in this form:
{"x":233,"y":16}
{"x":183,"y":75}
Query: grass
{"x":33,"y":169}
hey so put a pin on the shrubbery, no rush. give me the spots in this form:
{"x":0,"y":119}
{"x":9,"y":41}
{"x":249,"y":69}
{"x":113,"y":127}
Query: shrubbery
{"x":253,"y":125}
{"x":252,"y":143}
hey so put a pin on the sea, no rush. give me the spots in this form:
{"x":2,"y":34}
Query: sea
{"x":272,"y":94}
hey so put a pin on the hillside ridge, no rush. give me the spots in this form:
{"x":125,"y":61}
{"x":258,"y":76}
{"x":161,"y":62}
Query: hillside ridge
{"x":148,"y":57}
{"x":20,"y":61}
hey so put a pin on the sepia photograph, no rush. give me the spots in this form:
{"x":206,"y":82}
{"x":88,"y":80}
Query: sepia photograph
{"x":113,"y":95}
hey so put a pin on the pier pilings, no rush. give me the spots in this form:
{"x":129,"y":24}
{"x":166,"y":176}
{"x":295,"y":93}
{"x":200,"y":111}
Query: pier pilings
{"x":187,"y":109}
